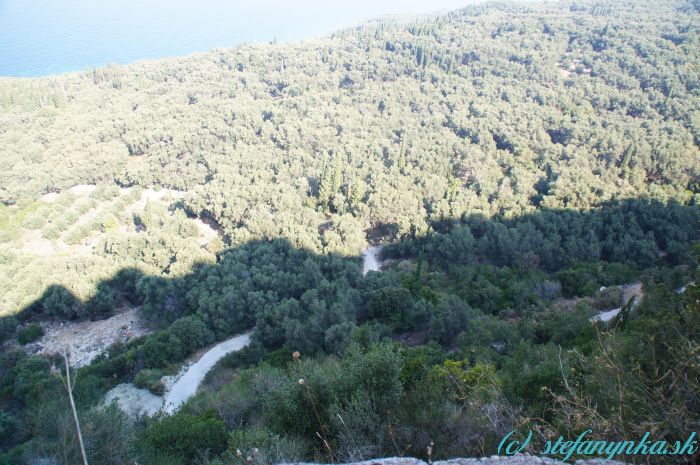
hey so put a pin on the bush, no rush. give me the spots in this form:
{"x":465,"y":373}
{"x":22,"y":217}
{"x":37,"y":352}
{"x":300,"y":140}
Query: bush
{"x":395,"y":306}
{"x":530,"y":373}
{"x":8,"y":325}
{"x":51,"y":232}
{"x":34,"y":222}
{"x":105,"y":192}
{"x":609,"y":297}
{"x":562,"y":327}
{"x":30,"y":334}
{"x":370,"y":333}
{"x":109,"y":223}
{"x":586,"y":278}
{"x":27,"y":379}
{"x":151,"y":380}
{"x":450,"y":317}
{"x":58,"y":301}
{"x":103,"y":301}
{"x":173,"y":344}
{"x":184,"y":438}
{"x":76,"y":235}
{"x":250,"y":355}
{"x":8,"y":427}
{"x":265,"y":447}
{"x":577,"y":282}
{"x":13,"y":455}
{"x":547,"y":290}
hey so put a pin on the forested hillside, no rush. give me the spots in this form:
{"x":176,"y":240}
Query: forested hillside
{"x":393,"y":128}
{"x":522,"y":165}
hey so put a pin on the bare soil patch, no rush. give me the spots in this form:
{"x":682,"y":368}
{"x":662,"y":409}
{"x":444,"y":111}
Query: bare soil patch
{"x":85,"y":340}
{"x":35,"y":244}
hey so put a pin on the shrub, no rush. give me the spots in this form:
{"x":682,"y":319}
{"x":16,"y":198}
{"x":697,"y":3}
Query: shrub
{"x":34,"y":222}
{"x":547,"y":290}
{"x":105,"y":192}
{"x":264,"y":447}
{"x":7,"y":327}
{"x":151,"y":380}
{"x":51,"y":232}
{"x":109,"y":223}
{"x":395,"y":307}
{"x":450,"y":317}
{"x":610,"y":297}
{"x":59,"y":301}
{"x":8,"y":427}
{"x":185,"y":437}
{"x":562,"y":327}
{"x":30,"y":334}
{"x":76,"y":235}
{"x":577,"y":282}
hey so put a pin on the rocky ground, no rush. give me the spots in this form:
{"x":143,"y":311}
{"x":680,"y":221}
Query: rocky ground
{"x":85,"y":340}
{"x":133,"y":401}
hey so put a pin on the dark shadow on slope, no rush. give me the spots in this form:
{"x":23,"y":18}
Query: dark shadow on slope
{"x":313,"y":302}
{"x":492,"y":272}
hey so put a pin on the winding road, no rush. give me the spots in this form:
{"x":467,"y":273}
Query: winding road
{"x":136,"y":401}
{"x":186,"y":385}
{"x":370,"y":258}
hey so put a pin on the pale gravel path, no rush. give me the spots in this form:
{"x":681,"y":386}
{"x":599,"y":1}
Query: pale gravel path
{"x":370,"y":261}
{"x":136,"y":402}
{"x":186,"y":385}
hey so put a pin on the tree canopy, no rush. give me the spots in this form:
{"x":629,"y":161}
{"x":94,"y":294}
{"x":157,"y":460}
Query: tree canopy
{"x":522,"y":165}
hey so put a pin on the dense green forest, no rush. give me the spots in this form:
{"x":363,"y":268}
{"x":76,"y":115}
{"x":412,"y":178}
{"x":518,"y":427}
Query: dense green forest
{"x":520,"y":164}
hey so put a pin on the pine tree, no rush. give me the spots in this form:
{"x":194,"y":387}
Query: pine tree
{"x":356,"y":194}
{"x":337,"y":176}
{"x":325,"y":190}
{"x":402,"y":161}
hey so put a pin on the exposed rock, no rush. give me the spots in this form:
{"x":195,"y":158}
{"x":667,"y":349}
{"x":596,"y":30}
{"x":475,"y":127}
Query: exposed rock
{"x":133,"y":401}
{"x":85,"y":340}
{"x":33,"y":348}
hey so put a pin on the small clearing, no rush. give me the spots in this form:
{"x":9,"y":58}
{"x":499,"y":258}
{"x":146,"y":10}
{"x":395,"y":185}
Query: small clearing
{"x":83,"y":189}
{"x":133,"y":401}
{"x":34,"y":243}
{"x":370,"y":259}
{"x":87,"y":339}
{"x":152,"y":195}
{"x":49,"y":198}
{"x":632,"y":290}
{"x":629,"y":291}
{"x":206,"y":232}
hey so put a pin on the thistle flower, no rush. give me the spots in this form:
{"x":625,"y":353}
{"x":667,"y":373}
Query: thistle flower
{"x":296,"y":355}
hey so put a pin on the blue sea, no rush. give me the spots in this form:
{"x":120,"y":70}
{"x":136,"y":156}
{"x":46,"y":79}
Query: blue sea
{"x":41,"y":37}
